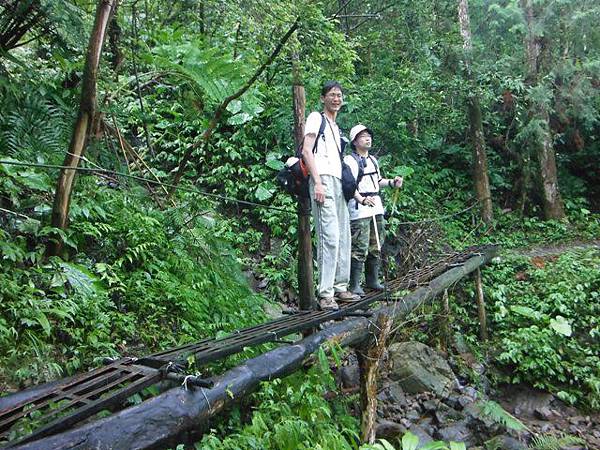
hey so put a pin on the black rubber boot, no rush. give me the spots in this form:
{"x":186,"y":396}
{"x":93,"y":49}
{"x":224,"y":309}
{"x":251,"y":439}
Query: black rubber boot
{"x":355,"y":273}
{"x":372,"y":272}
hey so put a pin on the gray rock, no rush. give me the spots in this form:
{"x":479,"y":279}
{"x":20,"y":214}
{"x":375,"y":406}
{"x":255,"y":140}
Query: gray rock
{"x":397,"y":395}
{"x":526,"y":400}
{"x":426,"y":425}
{"x":424,"y":437}
{"x":457,"y":432}
{"x":406,"y":423}
{"x":464,"y":400}
{"x":471,"y":392}
{"x":445,"y":414}
{"x":413,"y":415}
{"x":419,"y":368}
{"x":430,"y":405}
{"x":350,"y":376}
{"x":543,"y":413}
{"x":505,"y":443}
{"x":453,"y":401}
{"x":273,"y":310}
{"x":386,"y":429}
{"x":474,"y":411}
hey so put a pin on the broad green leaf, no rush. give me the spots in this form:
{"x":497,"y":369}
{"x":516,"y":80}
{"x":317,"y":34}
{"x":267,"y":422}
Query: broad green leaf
{"x":385,"y":445}
{"x":561,"y":326}
{"x":43,"y":321}
{"x":81,"y":279}
{"x":34,"y":180}
{"x":274,"y":164}
{"x":263,"y":193}
{"x":457,"y":446}
{"x":526,"y":311}
{"x":409,"y":441}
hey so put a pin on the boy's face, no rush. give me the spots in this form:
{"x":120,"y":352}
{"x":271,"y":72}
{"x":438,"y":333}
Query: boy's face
{"x":333,"y":100}
{"x":363,"y":140}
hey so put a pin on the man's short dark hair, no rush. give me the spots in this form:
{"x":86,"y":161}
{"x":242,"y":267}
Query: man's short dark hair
{"x":329,"y":85}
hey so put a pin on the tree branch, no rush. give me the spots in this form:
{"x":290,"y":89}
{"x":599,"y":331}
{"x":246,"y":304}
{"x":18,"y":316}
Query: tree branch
{"x":223,"y":106}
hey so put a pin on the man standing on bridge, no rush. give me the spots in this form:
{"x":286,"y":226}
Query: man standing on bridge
{"x":367,"y":224}
{"x":330,"y":211}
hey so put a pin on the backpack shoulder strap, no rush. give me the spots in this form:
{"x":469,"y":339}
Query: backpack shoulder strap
{"x":361,"y":167}
{"x":320,"y":133}
{"x":376,"y":164}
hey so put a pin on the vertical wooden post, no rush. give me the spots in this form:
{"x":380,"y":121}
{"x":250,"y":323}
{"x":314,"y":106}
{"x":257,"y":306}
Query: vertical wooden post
{"x":446,"y":325}
{"x":369,"y":367}
{"x":305,"y":259}
{"x":483,"y":333}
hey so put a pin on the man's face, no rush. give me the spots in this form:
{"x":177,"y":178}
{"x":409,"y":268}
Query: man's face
{"x":333,"y":100}
{"x":363,"y":140}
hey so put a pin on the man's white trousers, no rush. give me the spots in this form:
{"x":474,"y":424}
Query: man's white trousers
{"x":332,"y":227}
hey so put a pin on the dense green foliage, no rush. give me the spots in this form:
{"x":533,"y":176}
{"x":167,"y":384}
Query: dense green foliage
{"x":293,"y":414}
{"x":542,"y":315}
{"x":138,"y":279}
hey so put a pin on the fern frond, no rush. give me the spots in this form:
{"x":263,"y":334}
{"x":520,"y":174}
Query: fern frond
{"x":208,"y":72}
{"x":548,"y":442}
{"x":33,"y":128}
{"x":498,"y":414}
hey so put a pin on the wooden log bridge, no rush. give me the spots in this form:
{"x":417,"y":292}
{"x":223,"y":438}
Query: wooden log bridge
{"x":163,"y":419}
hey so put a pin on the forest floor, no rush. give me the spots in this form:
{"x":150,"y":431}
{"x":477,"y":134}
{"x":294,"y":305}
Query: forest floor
{"x":555,"y":249}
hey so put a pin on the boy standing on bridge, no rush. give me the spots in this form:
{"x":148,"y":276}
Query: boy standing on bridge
{"x":330,"y":211}
{"x":367,"y":223}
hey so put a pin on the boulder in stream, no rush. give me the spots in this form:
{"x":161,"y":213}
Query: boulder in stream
{"x":419,"y":368}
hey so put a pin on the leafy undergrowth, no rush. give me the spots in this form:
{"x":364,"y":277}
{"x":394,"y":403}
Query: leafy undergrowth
{"x":543,"y":322}
{"x":293,"y":414}
{"x":138,"y":279}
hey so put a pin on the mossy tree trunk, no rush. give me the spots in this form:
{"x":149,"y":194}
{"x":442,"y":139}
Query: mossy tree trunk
{"x":543,"y":142}
{"x":85,"y":117}
{"x":480,"y":165}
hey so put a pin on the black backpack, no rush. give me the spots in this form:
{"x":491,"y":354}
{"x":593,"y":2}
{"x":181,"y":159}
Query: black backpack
{"x":349,"y":182}
{"x":293,"y":178}
{"x":361,"y":166}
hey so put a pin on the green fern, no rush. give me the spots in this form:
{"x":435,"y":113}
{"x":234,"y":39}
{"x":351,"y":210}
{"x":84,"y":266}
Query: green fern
{"x":208,"y":73}
{"x":33,"y":128}
{"x":548,"y":442}
{"x":211,"y":76}
{"x":498,"y":414}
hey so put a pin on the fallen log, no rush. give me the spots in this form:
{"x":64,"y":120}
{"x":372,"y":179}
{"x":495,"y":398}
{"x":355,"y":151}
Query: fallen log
{"x":162,"y":420}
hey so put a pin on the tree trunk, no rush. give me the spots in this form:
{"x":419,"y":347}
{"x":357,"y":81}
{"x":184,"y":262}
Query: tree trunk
{"x":305,"y":258}
{"x":544,"y":145}
{"x":369,"y":369}
{"x":480,"y":166}
{"x":87,"y":106}
{"x":161,"y":420}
